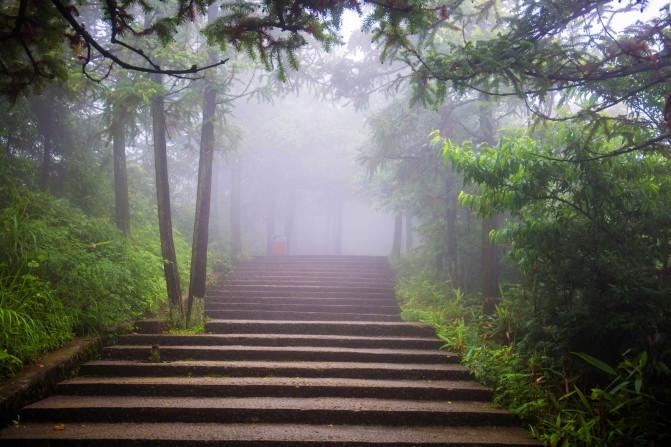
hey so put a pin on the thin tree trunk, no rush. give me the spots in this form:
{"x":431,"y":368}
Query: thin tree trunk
{"x":41,"y":107}
{"x":408,"y":232}
{"x":290,"y":219}
{"x":452,"y":239}
{"x":270,"y":222}
{"x":490,"y":266}
{"x":398,"y":234}
{"x":163,"y":201}
{"x":337,"y":231}
{"x":122,"y":209}
{"x":201,"y":225}
{"x":236,"y":236}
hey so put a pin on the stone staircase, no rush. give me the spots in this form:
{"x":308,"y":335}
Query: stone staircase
{"x":299,"y":351}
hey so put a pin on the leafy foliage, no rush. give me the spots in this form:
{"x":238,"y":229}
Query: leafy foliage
{"x":630,"y":408}
{"x":590,"y":235}
{"x":63,"y":273}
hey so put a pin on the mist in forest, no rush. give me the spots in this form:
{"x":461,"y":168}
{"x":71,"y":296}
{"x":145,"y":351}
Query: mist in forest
{"x":298,"y":180}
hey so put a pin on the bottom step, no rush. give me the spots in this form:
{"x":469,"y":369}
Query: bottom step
{"x":257,"y":435}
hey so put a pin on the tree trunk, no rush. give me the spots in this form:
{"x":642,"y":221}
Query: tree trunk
{"x":490,"y":266}
{"x":201,"y":224}
{"x":42,"y":108}
{"x":118,"y":131}
{"x":270,"y":222}
{"x":398,"y":234}
{"x":452,"y":239}
{"x":290,"y":219}
{"x":236,"y":235}
{"x":337,"y":230}
{"x":408,"y":232}
{"x":163,"y":201}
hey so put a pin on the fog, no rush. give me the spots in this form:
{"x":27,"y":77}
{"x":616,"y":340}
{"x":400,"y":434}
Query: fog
{"x":300,"y":179}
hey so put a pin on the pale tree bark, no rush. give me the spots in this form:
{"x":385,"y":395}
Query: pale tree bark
{"x":270,"y":222}
{"x":236,"y":234}
{"x":452,"y":238}
{"x":408,"y":233}
{"x":398,"y":235}
{"x":290,"y":219}
{"x":198,"y":276}
{"x":337,"y":230}
{"x":163,"y":201}
{"x":490,"y":262}
{"x":121,"y":203}
{"x":42,"y":107}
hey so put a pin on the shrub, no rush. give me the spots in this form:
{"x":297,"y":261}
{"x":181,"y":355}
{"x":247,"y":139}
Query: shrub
{"x":63,"y":273}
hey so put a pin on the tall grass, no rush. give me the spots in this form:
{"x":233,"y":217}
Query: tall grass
{"x":64,"y":273}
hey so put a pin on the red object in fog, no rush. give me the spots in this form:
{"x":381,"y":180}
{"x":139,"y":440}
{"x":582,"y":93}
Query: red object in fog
{"x":279,"y":248}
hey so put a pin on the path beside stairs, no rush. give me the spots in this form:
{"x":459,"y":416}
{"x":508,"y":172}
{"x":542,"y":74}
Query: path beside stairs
{"x":299,"y":351}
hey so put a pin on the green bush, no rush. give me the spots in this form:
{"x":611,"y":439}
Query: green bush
{"x":630,"y":409}
{"x":63,"y":273}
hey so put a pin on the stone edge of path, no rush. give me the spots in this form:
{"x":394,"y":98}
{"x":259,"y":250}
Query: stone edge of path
{"x":39,"y":378}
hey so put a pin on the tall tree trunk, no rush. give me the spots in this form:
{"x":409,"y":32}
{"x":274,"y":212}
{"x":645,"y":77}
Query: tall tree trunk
{"x":490,"y":265}
{"x":452,"y":239}
{"x":290,"y":219}
{"x":42,"y":107}
{"x":398,"y":234}
{"x":118,"y":131}
{"x":236,"y":235}
{"x":337,"y":230}
{"x":270,"y":222}
{"x":163,"y":201}
{"x":201,"y":224}
{"x":408,"y":232}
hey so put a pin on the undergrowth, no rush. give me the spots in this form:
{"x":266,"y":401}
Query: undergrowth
{"x":63,"y":273}
{"x":625,"y":407}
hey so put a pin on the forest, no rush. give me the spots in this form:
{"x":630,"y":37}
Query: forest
{"x":510,"y":157}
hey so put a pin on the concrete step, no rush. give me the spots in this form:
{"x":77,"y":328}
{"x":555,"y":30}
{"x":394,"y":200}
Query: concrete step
{"x":318,"y":272}
{"x":342,"y":288}
{"x":309,"y":282}
{"x":279,"y":354}
{"x":260,"y":435}
{"x":275,"y":387}
{"x":280,"y":305}
{"x":372,"y":303}
{"x":262,"y":274}
{"x":363,"y":328}
{"x":344,"y":370}
{"x":281,"y":340}
{"x":245,"y":292}
{"x":300,"y":316}
{"x":317,"y":260}
{"x":322,"y":410}
{"x":301,"y":298}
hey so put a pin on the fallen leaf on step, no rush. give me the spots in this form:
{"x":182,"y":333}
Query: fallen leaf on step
{"x":59,"y":427}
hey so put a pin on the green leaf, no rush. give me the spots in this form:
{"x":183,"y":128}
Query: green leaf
{"x":595,"y":362}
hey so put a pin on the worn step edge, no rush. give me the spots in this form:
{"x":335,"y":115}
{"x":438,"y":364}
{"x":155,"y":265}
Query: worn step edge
{"x":303,"y":307}
{"x":262,"y":435}
{"x":265,"y":409}
{"x":280,"y":340}
{"x":275,"y":387}
{"x":256,"y":353}
{"x":366,"y":328}
{"x":301,"y":301}
{"x":389,"y":371}
{"x":296,"y":315}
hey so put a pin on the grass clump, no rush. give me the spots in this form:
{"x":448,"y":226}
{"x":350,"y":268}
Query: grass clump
{"x":63,"y":273}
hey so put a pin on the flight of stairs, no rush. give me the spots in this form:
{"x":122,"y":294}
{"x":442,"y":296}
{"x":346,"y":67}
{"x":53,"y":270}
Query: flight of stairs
{"x":299,"y":351}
